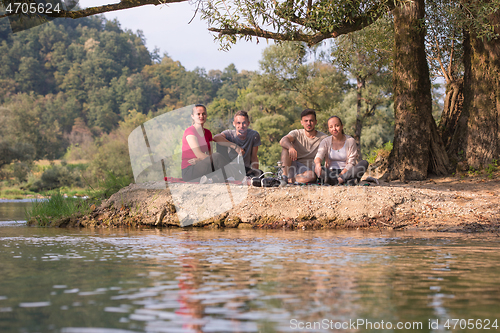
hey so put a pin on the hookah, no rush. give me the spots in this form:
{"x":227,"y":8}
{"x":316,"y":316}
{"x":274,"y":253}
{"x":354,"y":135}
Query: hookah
{"x":279,"y":180}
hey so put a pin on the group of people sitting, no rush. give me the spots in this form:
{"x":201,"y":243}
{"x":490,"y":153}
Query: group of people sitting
{"x":303,"y":151}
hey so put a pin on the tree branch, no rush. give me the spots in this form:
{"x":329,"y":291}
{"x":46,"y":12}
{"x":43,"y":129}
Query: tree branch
{"x":450,"y":68}
{"x":257,"y":32}
{"x":353,"y":24}
{"x":445,"y":74}
{"x":370,"y":111}
{"x":125,"y":4}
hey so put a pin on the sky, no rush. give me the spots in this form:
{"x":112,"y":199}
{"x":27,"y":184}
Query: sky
{"x":192,"y":44}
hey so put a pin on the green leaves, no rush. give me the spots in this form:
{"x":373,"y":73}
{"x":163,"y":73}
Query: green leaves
{"x":306,"y":21}
{"x":475,"y":16}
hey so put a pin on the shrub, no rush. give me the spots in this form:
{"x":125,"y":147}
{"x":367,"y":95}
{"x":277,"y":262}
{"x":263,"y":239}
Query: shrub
{"x":492,"y":167}
{"x":109,"y":185}
{"x":57,"y":176}
{"x":383,"y":152}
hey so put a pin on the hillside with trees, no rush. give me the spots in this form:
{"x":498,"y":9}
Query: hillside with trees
{"x":74,"y":90}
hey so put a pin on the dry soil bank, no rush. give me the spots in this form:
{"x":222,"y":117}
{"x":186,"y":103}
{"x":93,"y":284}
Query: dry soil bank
{"x":439,"y":204}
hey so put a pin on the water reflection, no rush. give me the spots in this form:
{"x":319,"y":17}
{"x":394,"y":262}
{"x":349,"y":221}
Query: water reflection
{"x":239,"y":281}
{"x":13,"y":210}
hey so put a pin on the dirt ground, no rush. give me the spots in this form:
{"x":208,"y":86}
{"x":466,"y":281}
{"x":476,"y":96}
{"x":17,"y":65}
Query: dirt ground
{"x":457,"y":204}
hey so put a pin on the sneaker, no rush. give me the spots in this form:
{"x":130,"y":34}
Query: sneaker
{"x":352,"y":182}
{"x":372,"y":180}
{"x":331,"y":181}
{"x":217,"y":179}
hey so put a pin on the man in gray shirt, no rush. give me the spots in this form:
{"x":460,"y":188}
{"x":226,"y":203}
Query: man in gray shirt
{"x":243,"y":141}
{"x":299,"y":149}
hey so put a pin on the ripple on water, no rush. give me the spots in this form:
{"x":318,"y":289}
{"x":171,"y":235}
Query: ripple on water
{"x":94,"y":330}
{"x":247,"y":281}
{"x":34,"y":304}
{"x":12,"y":223}
{"x":116,"y":309}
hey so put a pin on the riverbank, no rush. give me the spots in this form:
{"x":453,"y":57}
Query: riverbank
{"x":439,"y":204}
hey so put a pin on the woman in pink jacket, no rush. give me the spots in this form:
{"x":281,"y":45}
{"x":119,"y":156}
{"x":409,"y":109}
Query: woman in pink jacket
{"x":340,"y":154}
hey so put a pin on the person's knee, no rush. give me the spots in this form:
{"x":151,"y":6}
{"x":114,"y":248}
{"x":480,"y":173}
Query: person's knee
{"x":311,"y":175}
{"x":217,"y":157}
{"x":223,"y":150}
{"x":219,"y":160}
{"x":363,"y":164}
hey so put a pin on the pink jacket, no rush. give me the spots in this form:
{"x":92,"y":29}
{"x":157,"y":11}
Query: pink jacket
{"x":350,"y":146}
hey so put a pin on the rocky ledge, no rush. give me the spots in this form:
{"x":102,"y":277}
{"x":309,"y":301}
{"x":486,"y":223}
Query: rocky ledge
{"x":440,"y":204}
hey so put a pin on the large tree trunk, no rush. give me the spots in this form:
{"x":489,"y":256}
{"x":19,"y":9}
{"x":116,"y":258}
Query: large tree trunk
{"x":453,"y":126}
{"x":453,"y":106}
{"x":439,"y":163}
{"x":483,"y":134}
{"x":417,"y":147}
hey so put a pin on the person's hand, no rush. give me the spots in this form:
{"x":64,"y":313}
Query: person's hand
{"x":317,"y":170}
{"x":339,"y":178}
{"x":293,"y":154}
{"x":193,"y":161}
{"x":240,"y":150}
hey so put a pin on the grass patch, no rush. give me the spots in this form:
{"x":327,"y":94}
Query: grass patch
{"x":16,"y":193}
{"x":49,"y":212}
{"x":68,"y":191}
{"x":75,"y":192}
{"x":44,"y":213}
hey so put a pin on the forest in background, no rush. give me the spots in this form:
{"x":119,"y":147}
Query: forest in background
{"x":74,"y":90}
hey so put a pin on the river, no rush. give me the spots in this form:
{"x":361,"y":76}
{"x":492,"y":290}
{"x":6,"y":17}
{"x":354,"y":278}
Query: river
{"x":117,"y":281}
